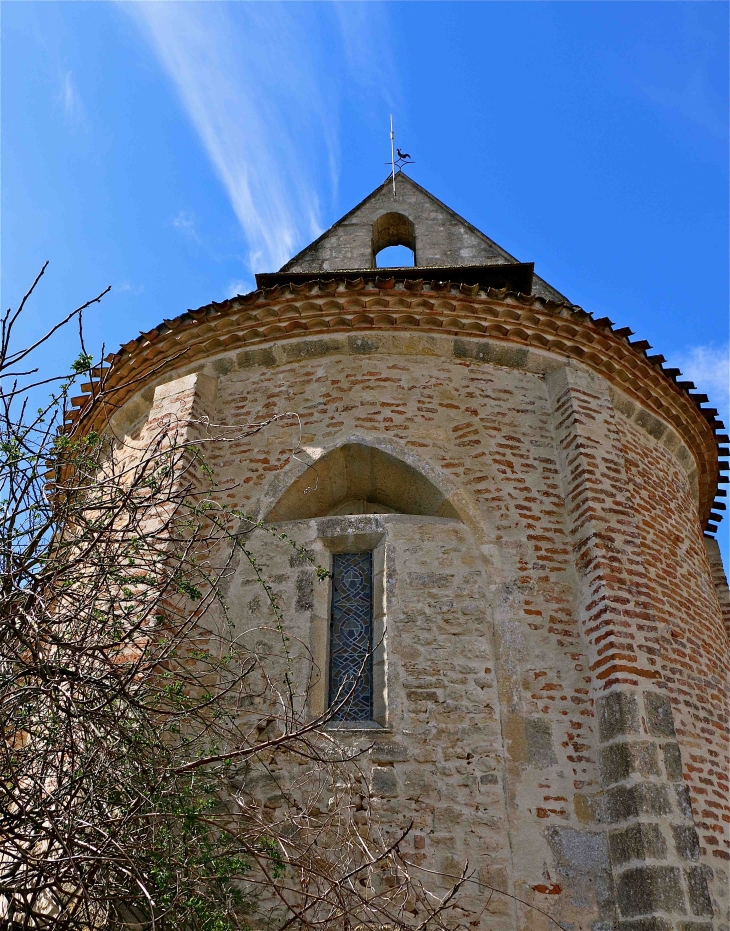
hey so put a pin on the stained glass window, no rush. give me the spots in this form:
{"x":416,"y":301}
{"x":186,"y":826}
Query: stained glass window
{"x":351,"y":636}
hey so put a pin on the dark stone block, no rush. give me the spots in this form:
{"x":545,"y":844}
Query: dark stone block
{"x":653,"y":426}
{"x":686,"y":841}
{"x":509,"y":356}
{"x":251,"y":357}
{"x":694,"y":926}
{"x":430,"y":579}
{"x":648,"y":889}
{"x":673,"y":762}
{"x":619,"y":760}
{"x":385,"y":782}
{"x":305,"y":590}
{"x":618,"y":714}
{"x":462,"y":349}
{"x":539,"y":740}
{"x":684,"y":800}
{"x":488,"y":779}
{"x":646,"y":924}
{"x":471,"y":349}
{"x":645,"y":798}
{"x":362,"y":344}
{"x":659,"y":715}
{"x":699,"y":894}
{"x":310,"y":349}
{"x":636,"y":842}
{"x":300,"y":560}
{"x":389,"y":753}
{"x":223,"y":366}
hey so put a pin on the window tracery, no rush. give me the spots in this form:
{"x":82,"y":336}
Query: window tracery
{"x":351,"y":637}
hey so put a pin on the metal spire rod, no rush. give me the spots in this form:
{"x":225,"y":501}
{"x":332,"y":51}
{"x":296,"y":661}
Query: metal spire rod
{"x":403,"y":157}
{"x":392,"y":152}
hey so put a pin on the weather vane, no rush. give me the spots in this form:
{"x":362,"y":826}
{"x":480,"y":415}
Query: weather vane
{"x":403,"y":157}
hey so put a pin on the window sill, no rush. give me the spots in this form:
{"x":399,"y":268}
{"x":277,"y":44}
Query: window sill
{"x":358,"y":727}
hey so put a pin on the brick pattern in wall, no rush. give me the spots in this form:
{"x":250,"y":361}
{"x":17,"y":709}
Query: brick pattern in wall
{"x":496,"y":658}
{"x":686,"y":636}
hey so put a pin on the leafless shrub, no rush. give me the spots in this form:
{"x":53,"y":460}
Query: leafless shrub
{"x":159,"y":769}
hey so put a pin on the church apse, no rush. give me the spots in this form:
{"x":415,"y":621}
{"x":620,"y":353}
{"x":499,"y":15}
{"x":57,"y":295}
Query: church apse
{"x":549,"y":689}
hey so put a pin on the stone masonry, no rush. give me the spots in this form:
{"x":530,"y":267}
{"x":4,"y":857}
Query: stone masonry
{"x":551,"y":684}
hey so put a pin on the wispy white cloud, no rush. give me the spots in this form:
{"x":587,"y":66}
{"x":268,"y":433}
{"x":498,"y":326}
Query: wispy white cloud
{"x":685,"y":73}
{"x":709,"y":368}
{"x":239,"y":286}
{"x":364,"y":30}
{"x":68,"y":97}
{"x":185,"y":223}
{"x":695,"y":101}
{"x":126,"y":287}
{"x":259,"y":83}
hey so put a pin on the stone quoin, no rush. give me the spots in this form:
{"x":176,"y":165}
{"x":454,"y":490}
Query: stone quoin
{"x":549,"y":616}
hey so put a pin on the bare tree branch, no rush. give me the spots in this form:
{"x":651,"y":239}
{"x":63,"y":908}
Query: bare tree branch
{"x":139,"y":724}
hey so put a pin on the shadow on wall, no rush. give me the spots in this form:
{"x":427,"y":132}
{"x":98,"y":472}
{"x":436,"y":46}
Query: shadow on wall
{"x":359,"y":479}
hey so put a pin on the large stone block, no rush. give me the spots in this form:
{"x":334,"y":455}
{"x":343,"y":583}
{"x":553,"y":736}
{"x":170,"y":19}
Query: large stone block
{"x":382,"y":752}
{"x":618,"y":715}
{"x":659,"y":715}
{"x":637,"y":842}
{"x":672,"y":762}
{"x":539,"y":740}
{"x":310,"y":349}
{"x":384,"y":782}
{"x":686,"y":842}
{"x":624,"y":803}
{"x":620,"y":760}
{"x":252,"y":357}
{"x":648,"y":889}
{"x":699,"y":895}
{"x":684,"y":800}
{"x":655,"y":923}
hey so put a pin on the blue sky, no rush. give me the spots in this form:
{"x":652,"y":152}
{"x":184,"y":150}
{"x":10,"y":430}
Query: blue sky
{"x":173,"y":149}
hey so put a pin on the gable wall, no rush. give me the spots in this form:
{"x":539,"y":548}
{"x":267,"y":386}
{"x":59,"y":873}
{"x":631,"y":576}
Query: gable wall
{"x":441,"y":238}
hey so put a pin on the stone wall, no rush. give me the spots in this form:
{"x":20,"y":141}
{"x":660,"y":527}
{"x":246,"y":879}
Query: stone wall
{"x":554,"y":667}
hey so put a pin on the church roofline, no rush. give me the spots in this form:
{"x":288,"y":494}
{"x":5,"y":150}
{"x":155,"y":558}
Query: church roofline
{"x":512,"y":276}
{"x":509,"y":259}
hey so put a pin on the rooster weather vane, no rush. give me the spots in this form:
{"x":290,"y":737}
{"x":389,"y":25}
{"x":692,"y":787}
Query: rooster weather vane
{"x":403,"y":157}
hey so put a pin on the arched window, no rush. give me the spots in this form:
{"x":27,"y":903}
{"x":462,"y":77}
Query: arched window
{"x":359,"y":479}
{"x":356,"y":480}
{"x":394,"y":241}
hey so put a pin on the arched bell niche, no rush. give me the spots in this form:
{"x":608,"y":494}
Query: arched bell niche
{"x":394,"y":241}
{"x":360,"y":479}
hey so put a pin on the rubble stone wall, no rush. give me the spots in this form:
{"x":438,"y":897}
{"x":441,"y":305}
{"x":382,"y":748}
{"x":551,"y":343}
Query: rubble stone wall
{"x":554,"y":668}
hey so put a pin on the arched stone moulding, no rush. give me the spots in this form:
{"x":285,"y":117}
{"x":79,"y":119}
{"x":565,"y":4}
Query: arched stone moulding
{"x":559,"y":332}
{"x":358,"y":474}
